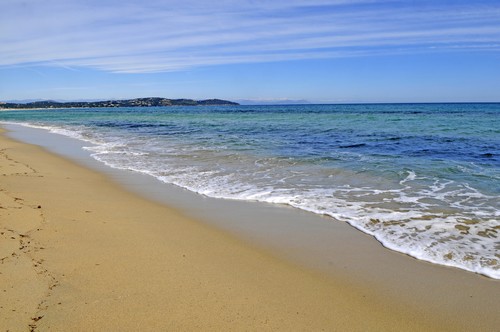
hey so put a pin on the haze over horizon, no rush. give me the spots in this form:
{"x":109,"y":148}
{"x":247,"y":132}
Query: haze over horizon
{"x":320,"y":51}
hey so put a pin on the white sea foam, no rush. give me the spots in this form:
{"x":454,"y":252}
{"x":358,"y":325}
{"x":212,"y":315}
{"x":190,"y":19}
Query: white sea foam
{"x":411,"y":176}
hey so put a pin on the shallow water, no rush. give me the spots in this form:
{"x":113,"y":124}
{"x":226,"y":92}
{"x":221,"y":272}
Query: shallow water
{"x":424,"y":179}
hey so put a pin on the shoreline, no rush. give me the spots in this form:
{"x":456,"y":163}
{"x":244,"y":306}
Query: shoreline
{"x":268,"y":223}
{"x":113,"y":259}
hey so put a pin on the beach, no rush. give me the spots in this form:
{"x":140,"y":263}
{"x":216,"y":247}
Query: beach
{"x":80,"y":252}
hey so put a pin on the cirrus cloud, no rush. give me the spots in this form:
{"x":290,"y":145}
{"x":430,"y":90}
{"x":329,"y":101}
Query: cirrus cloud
{"x":134,"y":37}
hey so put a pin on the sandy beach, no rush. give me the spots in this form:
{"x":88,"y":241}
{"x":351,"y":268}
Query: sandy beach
{"x":78,"y":252}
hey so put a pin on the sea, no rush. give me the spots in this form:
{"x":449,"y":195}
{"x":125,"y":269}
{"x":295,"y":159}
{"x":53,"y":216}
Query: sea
{"x":423,"y":179}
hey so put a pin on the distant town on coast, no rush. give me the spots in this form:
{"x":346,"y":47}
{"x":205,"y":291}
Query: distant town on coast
{"x":138,"y":102}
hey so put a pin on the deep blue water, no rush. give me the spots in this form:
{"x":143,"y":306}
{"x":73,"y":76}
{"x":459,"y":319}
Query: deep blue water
{"x":424,"y":179}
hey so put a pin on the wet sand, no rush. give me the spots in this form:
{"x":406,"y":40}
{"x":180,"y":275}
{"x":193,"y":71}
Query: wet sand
{"x":80,"y":252}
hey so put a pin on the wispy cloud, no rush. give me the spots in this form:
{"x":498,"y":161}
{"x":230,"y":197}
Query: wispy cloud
{"x":150,"y":36}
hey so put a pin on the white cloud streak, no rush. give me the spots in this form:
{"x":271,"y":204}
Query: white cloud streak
{"x":154,"y":36}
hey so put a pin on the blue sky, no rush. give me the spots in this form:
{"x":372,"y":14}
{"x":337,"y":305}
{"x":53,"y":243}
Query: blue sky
{"x":317,"y":50}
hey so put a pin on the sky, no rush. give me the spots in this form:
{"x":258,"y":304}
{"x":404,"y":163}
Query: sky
{"x":320,"y":51}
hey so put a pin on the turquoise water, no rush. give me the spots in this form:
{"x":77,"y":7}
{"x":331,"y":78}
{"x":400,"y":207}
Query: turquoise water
{"x":424,"y":179}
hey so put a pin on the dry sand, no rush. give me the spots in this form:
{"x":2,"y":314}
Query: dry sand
{"x":80,"y":253}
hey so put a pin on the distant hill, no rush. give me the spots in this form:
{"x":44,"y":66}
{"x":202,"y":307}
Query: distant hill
{"x":138,"y":102}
